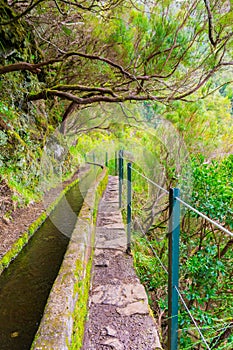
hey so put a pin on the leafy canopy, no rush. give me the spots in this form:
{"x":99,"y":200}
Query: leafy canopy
{"x":115,"y":51}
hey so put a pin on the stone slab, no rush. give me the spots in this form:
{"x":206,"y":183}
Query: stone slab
{"x":138,"y":307}
{"x":119,"y":315}
{"x":119,"y":294}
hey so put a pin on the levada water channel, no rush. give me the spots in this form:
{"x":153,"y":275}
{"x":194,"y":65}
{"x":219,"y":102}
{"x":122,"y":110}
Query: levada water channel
{"x":25,"y":285}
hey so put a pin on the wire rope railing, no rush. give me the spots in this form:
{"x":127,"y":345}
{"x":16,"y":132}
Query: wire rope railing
{"x":150,"y":181}
{"x":192,"y":318}
{"x":152,"y":248}
{"x":186,"y":204}
{"x":174,"y":231}
{"x":220,"y":227}
{"x":179,"y":293}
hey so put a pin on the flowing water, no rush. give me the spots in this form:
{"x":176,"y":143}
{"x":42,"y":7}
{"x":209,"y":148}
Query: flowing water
{"x":25,"y":285}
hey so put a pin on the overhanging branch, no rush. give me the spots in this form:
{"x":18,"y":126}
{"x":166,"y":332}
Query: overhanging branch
{"x":84,"y":88}
{"x":92,"y":99}
{"x":210,"y":23}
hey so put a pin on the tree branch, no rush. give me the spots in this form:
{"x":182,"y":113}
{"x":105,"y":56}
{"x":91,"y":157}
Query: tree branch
{"x":31,"y":67}
{"x":83,"y":88}
{"x":21,"y":66}
{"x":103,"y":59}
{"x":197,"y":86}
{"x":68,"y":111}
{"x":28,"y":9}
{"x":44,"y":95}
{"x":210,"y":23}
{"x":225,"y":249}
{"x":224,"y":335}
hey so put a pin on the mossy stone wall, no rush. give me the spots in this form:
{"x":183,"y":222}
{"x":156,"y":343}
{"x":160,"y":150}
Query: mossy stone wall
{"x":63,"y":322}
{"x":24,"y":238}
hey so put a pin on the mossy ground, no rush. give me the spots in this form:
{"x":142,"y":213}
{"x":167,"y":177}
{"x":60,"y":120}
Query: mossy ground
{"x":25,"y":236}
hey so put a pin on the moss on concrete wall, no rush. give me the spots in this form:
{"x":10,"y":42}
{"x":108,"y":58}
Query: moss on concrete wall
{"x":80,"y":311}
{"x":83,"y":287}
{"x":23,"y":240}
{"x":63,"y":322}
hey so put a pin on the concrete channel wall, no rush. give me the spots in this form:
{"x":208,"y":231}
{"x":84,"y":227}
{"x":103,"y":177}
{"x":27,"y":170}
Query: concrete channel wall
{"x":63,"y":322}
{"x":26,"y":236}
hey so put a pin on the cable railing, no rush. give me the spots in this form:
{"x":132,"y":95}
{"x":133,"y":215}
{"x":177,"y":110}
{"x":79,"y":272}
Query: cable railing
{"x":178,"y":292}
{"x":174,"y":292}
{"x":150,"y":181}
{"x":220,"y":227}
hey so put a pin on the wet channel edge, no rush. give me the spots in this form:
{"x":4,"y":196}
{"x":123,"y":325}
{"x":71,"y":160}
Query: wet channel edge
{"x":62,"y":325}
{"x":25,"y":236}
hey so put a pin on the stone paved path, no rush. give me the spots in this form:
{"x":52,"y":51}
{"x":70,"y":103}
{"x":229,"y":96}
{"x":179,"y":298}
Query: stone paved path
{"x":119,"y":315}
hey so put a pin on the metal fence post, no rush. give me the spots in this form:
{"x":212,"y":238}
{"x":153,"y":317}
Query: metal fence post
{"x":129,"y":207}
{"x":116,"y":163}
{"x":173,"y":268}
{"x":106,"y":159}
{"x":122,"y":165}
{"x":120,"y":177}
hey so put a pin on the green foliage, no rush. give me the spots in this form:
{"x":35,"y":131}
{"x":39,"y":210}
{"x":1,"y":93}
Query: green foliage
{"x":205,"y":125}
{"x":205,"y":258}
{"x":166,"y":42}
{"x":147,"y":266}
{"x":212,"y":189}
{"x":206,"y":267}
{"x":3,"y":138}
{"x":204,"y":289}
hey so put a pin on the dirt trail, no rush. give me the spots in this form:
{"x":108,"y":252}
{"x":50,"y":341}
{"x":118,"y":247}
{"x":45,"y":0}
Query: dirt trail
{"x":119,"y":316}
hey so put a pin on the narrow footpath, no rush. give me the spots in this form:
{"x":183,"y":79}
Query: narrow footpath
{"x":119,"y":316}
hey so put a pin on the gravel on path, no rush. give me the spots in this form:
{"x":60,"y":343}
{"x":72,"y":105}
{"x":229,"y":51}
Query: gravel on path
{"x":119,"y":316}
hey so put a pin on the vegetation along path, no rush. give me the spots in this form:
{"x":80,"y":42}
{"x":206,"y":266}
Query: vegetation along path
{"x":119,"y":316}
